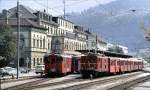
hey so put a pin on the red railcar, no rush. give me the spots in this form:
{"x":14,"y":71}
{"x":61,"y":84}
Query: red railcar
{"x":93,"y":64}
{"x":128,"y":65}
{"x":56,"y":64}
{"x":112,"y":65}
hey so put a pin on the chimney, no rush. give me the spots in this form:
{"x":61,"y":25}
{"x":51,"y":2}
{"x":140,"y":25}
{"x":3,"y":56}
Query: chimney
{"x":38,"y":17}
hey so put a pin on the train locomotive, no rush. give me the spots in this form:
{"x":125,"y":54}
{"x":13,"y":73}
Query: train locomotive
{"x":59,"y":64}
{"x":95,"y":65}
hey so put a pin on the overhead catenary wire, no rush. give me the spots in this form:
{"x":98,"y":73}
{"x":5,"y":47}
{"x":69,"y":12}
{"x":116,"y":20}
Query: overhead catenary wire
{"x":46,"y":6}
{"x":59,"y":9}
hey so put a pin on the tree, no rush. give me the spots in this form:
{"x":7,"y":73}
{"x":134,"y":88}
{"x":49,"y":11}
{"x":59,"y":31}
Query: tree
{"x":7,"y":43}
{"x":3,"y":62}
{"x":146,"y":29}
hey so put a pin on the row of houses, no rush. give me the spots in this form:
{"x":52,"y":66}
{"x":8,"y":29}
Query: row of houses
{"x":42,"y":33}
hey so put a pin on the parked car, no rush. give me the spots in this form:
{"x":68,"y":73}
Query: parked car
{"x":11,"y":71}
{"x":24,"y":69}
{"x":40,"y":69}
{"x":8,"y":71}
{"x":3,"y":71}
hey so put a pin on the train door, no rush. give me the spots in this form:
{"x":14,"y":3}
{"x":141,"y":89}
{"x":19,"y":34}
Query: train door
{"x":109,"y":65}
{"x":75,"y":64}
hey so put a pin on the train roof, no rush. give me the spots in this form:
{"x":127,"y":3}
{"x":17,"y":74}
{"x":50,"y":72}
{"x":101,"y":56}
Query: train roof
{"x":136,"y":59}
{"x":106,"y":53}
{"x":63,"y":55}
{"x":75,"y":53}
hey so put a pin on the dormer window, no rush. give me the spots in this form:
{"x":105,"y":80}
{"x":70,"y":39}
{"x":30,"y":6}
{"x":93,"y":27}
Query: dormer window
{"x":49,"y":18}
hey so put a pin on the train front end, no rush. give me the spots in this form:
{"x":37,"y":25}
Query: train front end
{"x":52,"y":64}
{"x":88,"y":65}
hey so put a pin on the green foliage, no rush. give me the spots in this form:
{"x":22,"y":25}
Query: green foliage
{"x":7,"y":42}
{"x":3,"y":62}
{"x":146,"y":30}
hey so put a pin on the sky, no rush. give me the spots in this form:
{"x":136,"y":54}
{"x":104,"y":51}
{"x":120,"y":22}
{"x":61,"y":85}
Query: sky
{"x":54,"y":7}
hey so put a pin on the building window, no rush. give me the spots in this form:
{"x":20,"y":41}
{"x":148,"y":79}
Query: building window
{"x":33,"y":42}
{"x":41,"y":60}
{"x":38,"y":61}
{"x":67,"y":45}
{"x":51,"y":30}
{"x":44,"y":42}
{"x":48,"y":30}
{"x":49,"y":18}
{"x":48,"y":46}
{"x":37,"y":43}
{"x":34,"y":62}
{"x":40,"y":43}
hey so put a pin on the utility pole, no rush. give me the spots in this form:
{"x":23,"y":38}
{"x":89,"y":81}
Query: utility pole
{"x":64,"y":2}
{"x":18,"y":38}
{"x":0,"y":6}
{"x":96,"y":45}
{"x":47,"y":6}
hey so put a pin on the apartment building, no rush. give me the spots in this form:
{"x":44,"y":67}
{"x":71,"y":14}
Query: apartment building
{"x":42,"y":33}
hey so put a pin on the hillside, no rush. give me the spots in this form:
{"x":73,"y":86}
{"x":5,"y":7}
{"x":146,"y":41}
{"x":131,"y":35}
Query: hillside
{"x":118,"y":22}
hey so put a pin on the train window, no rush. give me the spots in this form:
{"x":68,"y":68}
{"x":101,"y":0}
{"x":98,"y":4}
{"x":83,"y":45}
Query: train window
{"x":105,"y":60}
{"x":111,"y":62}
{"x":118,"y":62}
{"x":46,"y":60}
{"x":52,"y":60}
{"x":126,"y":63}
{"x":105,"y":66}
{"x":58,"y":59}
{"x":100,"y":63}
{"x":121,"y":63}
{"x":34,"y":62}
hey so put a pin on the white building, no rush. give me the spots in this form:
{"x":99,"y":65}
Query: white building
{"x":94,"y":43}
{"x":124,"y":49}
{"x":40,"y":33}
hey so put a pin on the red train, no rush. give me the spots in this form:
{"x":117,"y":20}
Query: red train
{"x":95,"y":65}
{"x":90,"y":64}
{"x":57,"y":64}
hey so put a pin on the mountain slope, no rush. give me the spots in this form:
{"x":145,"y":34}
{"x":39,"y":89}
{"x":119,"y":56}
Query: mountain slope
{"x":118,"y":22}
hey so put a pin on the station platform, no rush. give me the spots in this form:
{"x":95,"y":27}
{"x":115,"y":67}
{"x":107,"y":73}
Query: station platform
{"x":141,"y":86}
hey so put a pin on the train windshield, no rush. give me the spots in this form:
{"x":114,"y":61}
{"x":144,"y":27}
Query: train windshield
{"x":88,"y":59}
{"x":55,"y":59}
{"x":46,"y":59}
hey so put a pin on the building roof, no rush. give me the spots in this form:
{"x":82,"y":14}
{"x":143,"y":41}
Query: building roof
{"x":63,"y":19}
{"x":79,"y":29}
{"x":23,"y":22}
{"x":44,"y":20}
{"x":25,"y":12}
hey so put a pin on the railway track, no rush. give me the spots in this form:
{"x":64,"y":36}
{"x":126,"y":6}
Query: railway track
{"x":20,"y":79}
{"x":38,"y":83}
{"x":25,"y":86}
{"x":56,"y":83}
{"x":76,"y":83}
{"x":86,"y":85}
